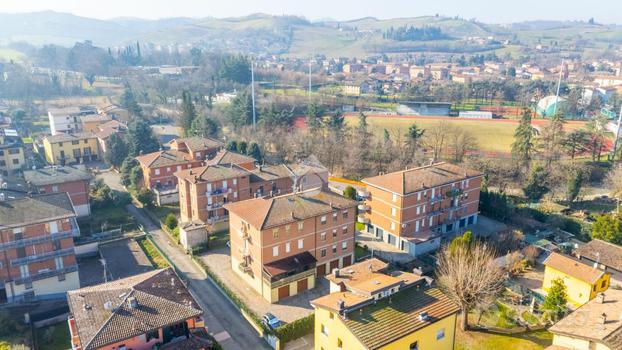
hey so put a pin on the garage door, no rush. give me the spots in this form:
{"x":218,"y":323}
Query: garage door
{"x":334,"y":265}
{"x":303,"y":285}
{"x":321,"y":270}
{"x":284,"y":292}
{"x":347,"y":260}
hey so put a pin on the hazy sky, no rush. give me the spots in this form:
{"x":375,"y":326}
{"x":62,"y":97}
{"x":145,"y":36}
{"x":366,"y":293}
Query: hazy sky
{"x":498,"y":11}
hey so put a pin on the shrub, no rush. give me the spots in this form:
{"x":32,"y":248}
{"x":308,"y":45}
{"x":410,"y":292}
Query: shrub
{"x":145,"y":197}
{"x":296,"y":329}
{"x":8,"y":326}
{"x":170,"y":221}
{"x":350,"y":192}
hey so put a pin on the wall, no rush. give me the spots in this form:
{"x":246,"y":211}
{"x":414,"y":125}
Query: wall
{"x":49,"y":288}
{"x":78,"y":192}
{"x":53,"y":150}
{"x":5,"y":156}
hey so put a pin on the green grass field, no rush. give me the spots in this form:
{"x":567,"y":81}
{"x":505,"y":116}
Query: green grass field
{"x":157,"y":260}
{"x":491,"y":135}
{"x":537,"y":340}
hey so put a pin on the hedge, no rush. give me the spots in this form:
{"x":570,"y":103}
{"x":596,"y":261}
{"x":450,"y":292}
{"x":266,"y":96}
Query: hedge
{"x":296,"y":329}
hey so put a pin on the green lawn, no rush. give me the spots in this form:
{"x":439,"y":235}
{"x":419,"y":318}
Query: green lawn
{"x":106,"y":219}
{"x":152,"y":253}
{"x":54,"y":337}
{"x":219,"y":239}
{"x":163,"y":211}
{"x":537,"y":340}
{"x":499,"y":315}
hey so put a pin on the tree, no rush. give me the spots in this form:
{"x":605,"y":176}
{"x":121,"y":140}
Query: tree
{"x":205,"y":126}
{"x":232,"y":146}
{"x":524,"y":139}
{"x":413,"y":139}
{"x":465,"y":241}
{"x":469,"y":276}
{"x":254,"y":151}
{"x":140,"y":138}
{"x":116,"y":150}
{"x":608,"y":228}
{"x":240,"y":111}
{"x":575,"y":142}
{"x":242,"y":147}
{"x":170,"y":221}
{"x":597,"y":130}
{"x":126,"y":168}
{"x":145,"y":197}
{"x":436,"y":138}
{"x":551,"y":137}
{"x":100,"y":196}
{"x":136,"y":176}
{"x":575,"y":181}
{"x":614,"y":182}
{"x":349,"y":192}
{"x":556,"y":299}
{"x":536,"y":188}
{"x":188,"y":113}
{"x":128,"y":100}
{"x":314,"y":113}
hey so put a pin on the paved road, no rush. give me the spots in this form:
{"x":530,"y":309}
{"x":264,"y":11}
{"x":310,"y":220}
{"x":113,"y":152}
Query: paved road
{"x":223,"y":319}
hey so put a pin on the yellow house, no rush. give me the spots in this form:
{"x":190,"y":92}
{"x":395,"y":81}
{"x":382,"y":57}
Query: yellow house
{"x":71,"y":148}
{"x":11,"y":152}
{"x":595,"y":325}
{"x":372,"y":309}
{"x":583,"y":282}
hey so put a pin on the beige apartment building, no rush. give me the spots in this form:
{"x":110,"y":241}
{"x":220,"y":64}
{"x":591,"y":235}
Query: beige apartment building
{"x":414,"y":209}
{"x":279,"y":245}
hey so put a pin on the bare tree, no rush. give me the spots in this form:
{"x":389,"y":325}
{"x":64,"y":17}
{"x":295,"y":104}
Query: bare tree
{"x":468,"y":275}
{"x":461,"y":142}
{"x":436,"y":139}
{"x":614,"y":182}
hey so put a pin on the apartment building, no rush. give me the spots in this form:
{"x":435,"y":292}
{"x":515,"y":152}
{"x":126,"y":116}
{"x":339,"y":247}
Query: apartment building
{"x":37,"y":259}
{"x":370,"y":308}
{"x":71,"y":148}
{"x":159,"y":167}
{"x":279,"y":245}
{"x":152,"y":310}
{"x":12,"y":158}
{"x":198,"y":148}
{"x":68,"y":119}
{"x":414,"y":209}
{"x":73,"y":180}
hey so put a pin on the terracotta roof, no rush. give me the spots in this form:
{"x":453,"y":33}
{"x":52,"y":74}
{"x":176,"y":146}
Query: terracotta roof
{"x":228,"y":157}
{"x":211,"y":173}
{"x":574,"y":268}
{"x":95,"y":118}
{"x":70,"y":137}
{"x":386,"y":321}
{"x":196,"y":143}
{"x":109,"y":128}
{"x":412,"y":180}
{"x":585,"y":322}
{"x":36,"y":209}
{"x":55,"y":175}
{"x":331,"y":301}
{"x":270,"y":172}
{"x":103,"y":315}
{"x":373,"y":283}
{"x":267,"y":212}
{"x":163,"y":158}
{"x":606,"y":253}
{"x":358,"y":271}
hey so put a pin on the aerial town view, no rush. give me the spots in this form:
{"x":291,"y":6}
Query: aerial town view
{"x":297,"y":175}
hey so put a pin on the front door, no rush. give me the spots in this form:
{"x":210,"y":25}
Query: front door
{"x":283,"y":292}
{"x":303,"y":285}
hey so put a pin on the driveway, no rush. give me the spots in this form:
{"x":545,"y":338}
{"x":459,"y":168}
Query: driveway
{"x":223,"y":319}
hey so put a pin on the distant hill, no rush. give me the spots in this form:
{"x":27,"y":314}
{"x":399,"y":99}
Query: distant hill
{"x":290,"y":35}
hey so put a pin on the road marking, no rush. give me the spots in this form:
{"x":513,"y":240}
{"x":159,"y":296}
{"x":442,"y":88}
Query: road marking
{"x":222,"y":336}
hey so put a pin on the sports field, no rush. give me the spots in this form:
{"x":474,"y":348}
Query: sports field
{"x":493,"y":135}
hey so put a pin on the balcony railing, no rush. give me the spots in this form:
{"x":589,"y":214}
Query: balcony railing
{"x":436,"y":199}
{"x":39,"y":239}
{"x":41,"y":257}
{"x":289,"y":279}
{"x":46,"y":274}
{"x":214,"y":206}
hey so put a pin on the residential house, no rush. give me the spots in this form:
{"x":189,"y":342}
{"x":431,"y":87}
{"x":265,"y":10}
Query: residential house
{"x":608,"y":80}
{"x":604,"y":255}
{"x":439,"y":73}
{"x":583,"y":282}
{"x":70,"y":179}
{"x":199,"y":148}
{"x":225,"y":157}
{"x":152,"y":310}
{"x":279,"y":245}
{"x":595,"y":325}
{"x":90,"y":123}
{"x":357,"y":89}
{"x":12,"y":158}
{"x":351,"y":68}
{"x":115,"y":112}
{"x":158,"y":167}
{"x":415,"y":208}
{"x":106,"y":130}
{"x":68,"y":148}
{"x":36,"y":248}
{"x":68,"y":119}
{"x":370,"y":308}
{"x":417,"y":72}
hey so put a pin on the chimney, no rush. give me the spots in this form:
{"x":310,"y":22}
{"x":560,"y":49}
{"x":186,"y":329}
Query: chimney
{"x":600,"y":298}
{"x":172,"y":281}
{"x":424,"y":316}
{"x":132,"y":303}
{"x":603,"y":318}
{"x":336,"y":273}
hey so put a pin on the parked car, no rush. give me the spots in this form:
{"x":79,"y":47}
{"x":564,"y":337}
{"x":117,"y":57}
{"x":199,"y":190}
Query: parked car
{"x":271,"y":321}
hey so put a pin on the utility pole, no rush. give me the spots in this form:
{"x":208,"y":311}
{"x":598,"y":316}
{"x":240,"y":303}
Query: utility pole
{"x":253,"y":91}
{"x":615,"y":144}
{"x":309,"y":80}
{"x":559,"y":84}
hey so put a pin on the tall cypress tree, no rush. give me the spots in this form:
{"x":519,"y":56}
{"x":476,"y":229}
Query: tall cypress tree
{"x":524,"y":139}
{"x":188,"y":113}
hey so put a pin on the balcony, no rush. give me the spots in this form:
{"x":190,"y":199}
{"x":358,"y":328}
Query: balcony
{"x":214,"y":206}
{"x":40,"y":239}
{"x":46,"y":274}
{"x":363,"y":193}
{"x":245,"y":267}
{"x":436,"y":199}
{"x":363,"y":220}
{"x":216,"y":219}
{"x":216,"y":192}
{"x":41,"y":257}
{"x":364,"y":207}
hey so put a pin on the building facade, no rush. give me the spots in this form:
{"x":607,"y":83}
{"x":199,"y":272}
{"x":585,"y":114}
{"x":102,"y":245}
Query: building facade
{"x":415,"y":209}
{"x":70,"y":179}
{"x":12,"y":158}
{"x":36,"y":248}
{"x":66,"y":148}
{"x":279,"y":245}
{"x":68,"y":119}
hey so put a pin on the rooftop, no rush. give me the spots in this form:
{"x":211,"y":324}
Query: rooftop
{"x":211,"y":173}
{"x":196,"y":143}
{"x":163,"y":158}
{"x":227,"y":157}
{"x":573,"y":268}
{"x":270,"y":172}
{"x":606,"y":253}
{"x":70,"y":137}
{"x":416,"y":179}
{"x":55,"y":175}
{"x":103,"y":314}
{"x":586,"y":322}
{"x":35,"y":209}
{"x":91,"y":118}
{"x":274,"y":211}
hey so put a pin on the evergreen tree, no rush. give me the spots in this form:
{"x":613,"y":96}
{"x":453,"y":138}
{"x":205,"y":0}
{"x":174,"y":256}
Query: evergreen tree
{"x":314,"y":115}
{"x":205,"y":126}
{"x":140,"y":138}
{"x":524,"y":139}
{"x":232,"y":146}
{"x":575,"y":181}
{"x":551,"y":139}
{"x":413,"y":139}
{"x":536,"y":188}
{"x":240,"y":111}
{"x":608,"y":228}
{"x":116,"y":150}
{"x":254,"y":151}
{"x":128,"y":100}
{"x":188,"y":113}
{"x":242,"y":147}
{"x":556,"y":299}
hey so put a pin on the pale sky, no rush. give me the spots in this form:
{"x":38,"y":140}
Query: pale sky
{"x":495,"y":11}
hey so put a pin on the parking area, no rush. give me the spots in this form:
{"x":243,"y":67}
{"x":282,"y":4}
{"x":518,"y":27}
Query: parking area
{"x":287,"y":310}
{"x":124,"y":258}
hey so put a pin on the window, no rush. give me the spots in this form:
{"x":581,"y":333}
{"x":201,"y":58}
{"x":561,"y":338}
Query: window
{"x":301,"y":225}
{"x":300,"y":243}
{"x":157,"y":171}
{"x":60,"y":144}
{"x":418,"y":210}
{"x":275,"y":251}
{"x":394,"y":211}
{"x":393,"y":226}
{"x":1,"y":152}
{"x":323,"y":220}
{"x":168,"y":169}
{"x":14,"y":151}
{"x":287,"y":247}
{"x":603,"y":284}
{"x":15,"y":161}
{"x":394,"y":198}
{"x":54,"y":188}
{"x":339,"y":344}
{"x":417,"y":226}
{"x":344,"y":245}
{"x":21,"y":252}
{"x":287,"y":228}
{"x":224,"y":184}
{"x":334,"y":233}
{"x":75,"y":142}
{"x":2,"y":163}
{"x":324,"y":330}
{"x":334,"y":249}
{"x":58,"y":261}
{"x":323,"y":236}
{"x":419,"y":196}
{"x":414,"y":346}
{"x":323,"y":252}
{"x":77,"y":153}
{"x":275,"y":233}
{"x":344,"y":230}
{"x":335,"y":217}
{"x":331,"y":315}
{"x":345,"y":214}
{"x":440,"y":334}
{"x":179,"y":168}
{"x":86,"y":141}
{"x":23,"y":270}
